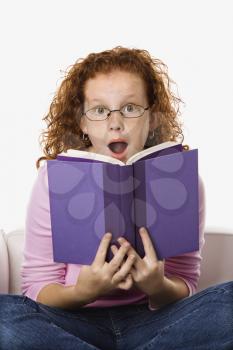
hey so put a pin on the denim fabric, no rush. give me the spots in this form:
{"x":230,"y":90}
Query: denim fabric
{"x":201,"y":322}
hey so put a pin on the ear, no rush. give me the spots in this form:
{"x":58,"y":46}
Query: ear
{"x":83,"y":125}
{"x":154,"y":120}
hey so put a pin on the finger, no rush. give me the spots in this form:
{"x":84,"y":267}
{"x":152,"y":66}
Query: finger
{"x":124,"y":270}
{"x":102,"y":249}
{"x":138,"y":261}
{"x":114,"y":249}
{"x":131,"y":250}
{"x":127,"y":283}
{"x":147,"y":244}
{"x":119,"y":257}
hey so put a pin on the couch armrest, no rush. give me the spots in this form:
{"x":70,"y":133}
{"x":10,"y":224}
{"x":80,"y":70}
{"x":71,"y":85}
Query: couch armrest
{"x":4,"y":264}
{"x":15,"y":244}
{"x":217,"y":263}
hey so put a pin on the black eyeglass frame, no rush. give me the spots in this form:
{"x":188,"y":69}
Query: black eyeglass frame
{"x":114,"y":110}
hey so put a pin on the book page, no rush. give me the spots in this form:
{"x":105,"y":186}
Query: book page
{"x":150,"y":150}
{"x":101,"y":157}
{"x":90,"y":155}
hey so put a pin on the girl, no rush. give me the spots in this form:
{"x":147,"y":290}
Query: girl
{"x":129,"y":302}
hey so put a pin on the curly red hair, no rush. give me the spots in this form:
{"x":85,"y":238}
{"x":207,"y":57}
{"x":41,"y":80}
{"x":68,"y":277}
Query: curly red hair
{"x":63,"y":119}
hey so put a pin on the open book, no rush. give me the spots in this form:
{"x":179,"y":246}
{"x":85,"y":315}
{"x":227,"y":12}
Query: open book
{"x":91,"y":194}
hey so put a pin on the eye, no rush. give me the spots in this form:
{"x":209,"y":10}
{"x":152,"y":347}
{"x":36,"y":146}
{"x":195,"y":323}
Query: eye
{"x":130,"y":107}
{"x":100,"y":110}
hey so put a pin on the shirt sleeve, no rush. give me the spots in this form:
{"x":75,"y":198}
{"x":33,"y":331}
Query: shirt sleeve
{"x":38,"y":268}
{"x":187,"y":266}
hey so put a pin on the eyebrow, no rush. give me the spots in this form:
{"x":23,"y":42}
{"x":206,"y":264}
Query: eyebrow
{"x":100,"y":100}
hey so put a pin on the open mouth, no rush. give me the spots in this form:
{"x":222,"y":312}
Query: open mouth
{"x":118,"y":147}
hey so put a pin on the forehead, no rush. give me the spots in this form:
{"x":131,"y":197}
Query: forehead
{"x":116,"y":83}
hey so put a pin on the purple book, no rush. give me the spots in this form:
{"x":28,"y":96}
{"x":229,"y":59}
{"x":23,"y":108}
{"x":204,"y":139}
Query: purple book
{"x":89,"y":197}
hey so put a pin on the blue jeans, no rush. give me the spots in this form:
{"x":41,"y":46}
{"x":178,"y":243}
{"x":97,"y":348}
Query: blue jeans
{"x":201,"y":322}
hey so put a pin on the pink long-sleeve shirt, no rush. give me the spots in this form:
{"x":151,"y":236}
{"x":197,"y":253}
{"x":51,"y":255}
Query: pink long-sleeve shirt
{"x":38,"y":268}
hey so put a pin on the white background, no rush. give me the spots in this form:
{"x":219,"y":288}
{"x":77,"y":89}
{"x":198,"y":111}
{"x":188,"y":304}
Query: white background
{"x":40,"y":39}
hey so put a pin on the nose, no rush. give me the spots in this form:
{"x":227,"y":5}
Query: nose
{"x":116,"y":120}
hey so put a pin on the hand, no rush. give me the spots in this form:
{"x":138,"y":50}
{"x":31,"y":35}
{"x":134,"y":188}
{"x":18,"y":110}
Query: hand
{"x":147,"y":272}
{"x":102,"y":277}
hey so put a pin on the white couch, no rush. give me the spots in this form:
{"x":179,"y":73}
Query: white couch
{"x":216,"y":267}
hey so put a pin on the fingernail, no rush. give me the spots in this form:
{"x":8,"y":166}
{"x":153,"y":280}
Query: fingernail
{"x":108,"y":235}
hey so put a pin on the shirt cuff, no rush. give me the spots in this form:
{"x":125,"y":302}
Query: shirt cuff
{"x":33,"y":291}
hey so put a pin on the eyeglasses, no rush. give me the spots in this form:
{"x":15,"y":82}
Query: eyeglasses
{"x":129,"y":110}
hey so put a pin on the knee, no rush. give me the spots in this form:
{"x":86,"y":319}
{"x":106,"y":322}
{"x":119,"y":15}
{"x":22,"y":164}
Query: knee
{"x":228,"y":286}
{"x":9,"y":304}
{"x":225,"y":285}
{"x":11,"y":338}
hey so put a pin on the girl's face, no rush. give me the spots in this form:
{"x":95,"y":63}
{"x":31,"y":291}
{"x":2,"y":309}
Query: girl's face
{"x":114,"y":90}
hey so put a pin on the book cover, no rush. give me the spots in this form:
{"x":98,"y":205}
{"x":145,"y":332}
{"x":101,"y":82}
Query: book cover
{"x":89,"y":197}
